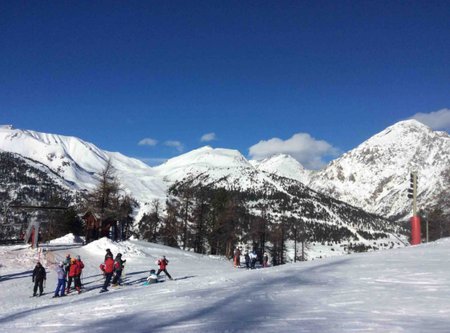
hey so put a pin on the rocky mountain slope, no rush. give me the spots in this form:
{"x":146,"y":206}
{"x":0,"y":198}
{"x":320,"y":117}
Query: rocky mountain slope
{"x":376,"y":175}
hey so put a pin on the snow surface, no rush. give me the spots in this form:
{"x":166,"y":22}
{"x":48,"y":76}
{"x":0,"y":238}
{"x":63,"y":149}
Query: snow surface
{"x":67,"y":239}
{"x":398,"y":290}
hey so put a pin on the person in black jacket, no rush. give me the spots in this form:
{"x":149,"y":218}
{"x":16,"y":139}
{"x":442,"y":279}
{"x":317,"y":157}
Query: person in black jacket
{"x":39,"y":275}
{"x":118,"y":268}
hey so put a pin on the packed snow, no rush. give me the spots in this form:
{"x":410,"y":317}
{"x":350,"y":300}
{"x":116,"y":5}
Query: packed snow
{"x":67,"y":239}
{"x":397,"y":290}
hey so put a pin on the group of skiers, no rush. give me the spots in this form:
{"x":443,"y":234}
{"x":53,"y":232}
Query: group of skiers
{"x":68,"y":270}
{"x":71,"y":269}
{"x":112,"y":267}
{"x":250,"y":259}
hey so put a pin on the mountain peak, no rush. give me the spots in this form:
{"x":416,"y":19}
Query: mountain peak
{"x":409,"y":124}
{"x":282,"y":157}
{"x":284,"y":165}
{"x":406,"y":132}
{"x":375,"y":174}
{"x":204,"y":159}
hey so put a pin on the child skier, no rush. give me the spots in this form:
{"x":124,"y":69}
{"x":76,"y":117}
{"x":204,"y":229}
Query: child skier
{"x":153,"y":278}
{"x":163,"y":262}
{"x":67,"y":265}
{"x":79,"y":270}
{"x":61,"y":286}
{"x":118,"y":268}
{"x":107,"y":268}
{"x":73,"y":271}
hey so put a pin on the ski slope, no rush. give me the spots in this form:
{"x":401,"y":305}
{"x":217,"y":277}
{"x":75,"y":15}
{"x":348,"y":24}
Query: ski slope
{"x":398,"y":290}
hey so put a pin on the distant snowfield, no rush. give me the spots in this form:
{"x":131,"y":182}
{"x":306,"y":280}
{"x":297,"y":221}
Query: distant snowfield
{"x":398,"y":290}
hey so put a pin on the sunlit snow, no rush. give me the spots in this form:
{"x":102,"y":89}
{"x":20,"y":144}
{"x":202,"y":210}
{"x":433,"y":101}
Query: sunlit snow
{"x":398,"y":290}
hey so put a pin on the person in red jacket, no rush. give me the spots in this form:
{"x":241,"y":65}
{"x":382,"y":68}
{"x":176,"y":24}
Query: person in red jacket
{"x":108,"y":269}
{"x":163,"y":262}
{"x":73,"y":270}
{"x":79,"y":270}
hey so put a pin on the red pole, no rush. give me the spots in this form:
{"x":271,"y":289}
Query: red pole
{"x":415,"y":230}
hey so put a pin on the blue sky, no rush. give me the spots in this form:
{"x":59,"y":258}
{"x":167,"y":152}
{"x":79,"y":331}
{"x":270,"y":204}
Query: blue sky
{"x":150,"y":79}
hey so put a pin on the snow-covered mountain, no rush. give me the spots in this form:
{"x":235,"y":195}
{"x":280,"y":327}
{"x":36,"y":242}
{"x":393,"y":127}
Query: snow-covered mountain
{"x":285,"y":166}
{"x":80,"y":162}
{"x":376,"y":175}
{"x":279,"y":195}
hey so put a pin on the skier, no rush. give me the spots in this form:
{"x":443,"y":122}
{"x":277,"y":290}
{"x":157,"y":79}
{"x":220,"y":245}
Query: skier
{"x":163,"y":262}
{"x":61,"y":286}
{"x":73,"y":271}
{"x":237,"y":257}
{"x":39,"y":276}
{"x":253,"y":258}
{"x":153,"y":278}
{"x":118,"y":268}
{"x":108,"y":268}
{"x":79,"y":270}
{"x":247,"y":260}
{"x":67,"y":265}
{"x":265,"y":260}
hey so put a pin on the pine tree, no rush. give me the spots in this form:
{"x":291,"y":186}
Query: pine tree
{"x":150,"y":223}
{"x":113,"y":209}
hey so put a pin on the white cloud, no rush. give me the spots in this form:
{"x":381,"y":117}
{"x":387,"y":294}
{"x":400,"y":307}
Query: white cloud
{"x":304,"y":148}
{"x":208,"y":137}
{"x":176,"y":144}
{"x":438,"y":120}
{"x":148,"y":142}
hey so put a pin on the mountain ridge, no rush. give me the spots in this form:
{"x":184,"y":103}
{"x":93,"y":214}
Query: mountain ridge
{"x":372,"y":176}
